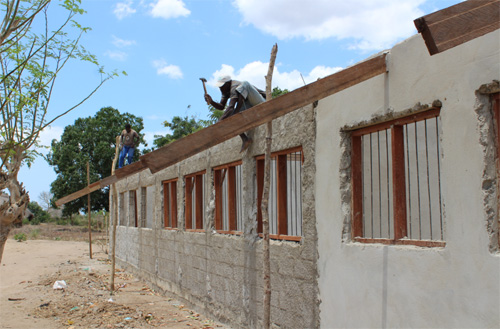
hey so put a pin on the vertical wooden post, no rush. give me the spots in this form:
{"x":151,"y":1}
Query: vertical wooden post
{"x":265,"y":200}
{"x":398,"y":182}
{"x":357,"y":188}
{"x":114,"y":217}
{"x":88,"y":211}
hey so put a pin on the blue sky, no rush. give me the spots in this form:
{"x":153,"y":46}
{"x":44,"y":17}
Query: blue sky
{"x":166,"y":46}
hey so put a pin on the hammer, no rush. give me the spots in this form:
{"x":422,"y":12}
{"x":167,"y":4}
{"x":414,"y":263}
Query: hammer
{"x":203,"y":80}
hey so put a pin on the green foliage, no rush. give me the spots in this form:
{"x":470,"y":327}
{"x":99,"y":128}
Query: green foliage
{"x":89,"y":139}
{"x":20,"y":237}
{"x":39,"y":215}
{"x":277,"y":91}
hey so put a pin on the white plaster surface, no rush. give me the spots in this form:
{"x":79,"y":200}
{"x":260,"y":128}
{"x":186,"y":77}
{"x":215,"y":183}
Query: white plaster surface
{"x":377,"y":286}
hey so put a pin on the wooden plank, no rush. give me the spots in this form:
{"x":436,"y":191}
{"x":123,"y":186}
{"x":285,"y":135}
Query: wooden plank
{"x":398,"y":182}
{"x":130,"y":169}
{"x":404,"y":242}
{"x":458,"y":24}
{"x":357,"y":188}
{"x":281,"y":191}
{"x":262,"y":113}
{"x":241,"y":122}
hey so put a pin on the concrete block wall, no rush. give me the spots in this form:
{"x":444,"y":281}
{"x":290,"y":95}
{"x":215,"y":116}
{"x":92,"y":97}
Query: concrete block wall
{"x":221,"y":274}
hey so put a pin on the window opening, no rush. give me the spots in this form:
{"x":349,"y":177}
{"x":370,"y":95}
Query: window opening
{"x":396,"y":181}
{"x":285,"y":204}
{"x":228,"y":198}
{"x":195,"y":201}
{"x":170,"y":203}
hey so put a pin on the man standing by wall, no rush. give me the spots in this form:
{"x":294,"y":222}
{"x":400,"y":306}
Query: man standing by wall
{"x":129,"y":138}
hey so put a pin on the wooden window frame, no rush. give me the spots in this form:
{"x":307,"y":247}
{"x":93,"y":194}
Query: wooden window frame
{"x":281,"y":193}
{"x":192,"y":180}
{"x":398,"y":184}
{"x":398,"y":181}
{"x":170,"y":208}
{"x":220,"y":172}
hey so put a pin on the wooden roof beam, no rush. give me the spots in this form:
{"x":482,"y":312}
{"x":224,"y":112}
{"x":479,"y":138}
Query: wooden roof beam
{"x":241,"y":122}
{"x":458,"y":24}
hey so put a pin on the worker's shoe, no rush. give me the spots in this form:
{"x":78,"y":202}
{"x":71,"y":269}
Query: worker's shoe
{"x":246,"y":145}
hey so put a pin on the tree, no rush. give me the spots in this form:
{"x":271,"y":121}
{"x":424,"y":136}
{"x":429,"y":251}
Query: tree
{"x":39,"y":215}
{"x":30,"y":61}
{"x":91,"y":139}
{"x":45,"y":199}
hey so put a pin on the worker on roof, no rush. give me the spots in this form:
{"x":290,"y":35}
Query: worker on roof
{"x":241,"y":95}
{"x":128,"y":139}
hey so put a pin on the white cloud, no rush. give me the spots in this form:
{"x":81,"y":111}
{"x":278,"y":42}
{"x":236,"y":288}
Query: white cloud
{"x":123,"y":9}
{"x":169,"y":9}
{"x":256,"y":71}
{"x":121,"y":43}
{"x":367,"y":24}
{"x":172,"y":71}
{"x":116,"y":55}
{"x":47,"y":135}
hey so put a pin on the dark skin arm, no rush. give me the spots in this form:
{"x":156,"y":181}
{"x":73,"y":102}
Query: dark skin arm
{"x":234,"y":106}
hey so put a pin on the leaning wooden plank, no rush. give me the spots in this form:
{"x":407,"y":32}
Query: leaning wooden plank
{"x":78,"y":194}
{"x":458,"y":24}
{"x":262,"y":113}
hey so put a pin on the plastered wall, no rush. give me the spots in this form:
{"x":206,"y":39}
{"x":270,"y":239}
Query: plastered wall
{"x":380,"y":286}
{"x":221,"y":274}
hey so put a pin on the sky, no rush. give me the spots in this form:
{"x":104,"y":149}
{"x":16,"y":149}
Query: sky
{"x":166,"y":46}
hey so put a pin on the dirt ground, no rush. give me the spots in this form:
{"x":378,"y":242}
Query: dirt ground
{"x":28,"y":299}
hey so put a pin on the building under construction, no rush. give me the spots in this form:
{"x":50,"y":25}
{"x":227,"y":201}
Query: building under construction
{"x":384,"y":194}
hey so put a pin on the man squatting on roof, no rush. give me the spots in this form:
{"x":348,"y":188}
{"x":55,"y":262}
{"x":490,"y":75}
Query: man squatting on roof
{"x":242,"y":96}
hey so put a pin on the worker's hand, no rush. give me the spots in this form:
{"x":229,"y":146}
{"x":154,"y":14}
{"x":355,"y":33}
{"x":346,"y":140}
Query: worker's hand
{"x":208,"y":99}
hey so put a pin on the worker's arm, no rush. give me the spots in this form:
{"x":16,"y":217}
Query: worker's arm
{"x":234,"y":107}
{"x":219,"y":106}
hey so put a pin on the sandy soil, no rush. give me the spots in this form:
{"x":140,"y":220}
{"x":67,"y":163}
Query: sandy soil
{"x":28,"y":299}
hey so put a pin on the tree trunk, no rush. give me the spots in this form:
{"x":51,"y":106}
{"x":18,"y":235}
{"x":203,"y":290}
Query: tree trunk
{"x":265,"y":200}
{"x":12,"y":213}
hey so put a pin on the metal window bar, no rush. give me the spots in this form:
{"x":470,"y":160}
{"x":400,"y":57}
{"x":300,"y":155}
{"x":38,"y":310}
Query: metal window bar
{"x":423,"y":180}
{"x":294,"y":194}
{"x":378,"y":219}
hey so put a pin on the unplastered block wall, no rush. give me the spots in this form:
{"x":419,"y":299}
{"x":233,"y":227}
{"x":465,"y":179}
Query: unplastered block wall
{"x":221,"y":274}
{"x":375,"y":285}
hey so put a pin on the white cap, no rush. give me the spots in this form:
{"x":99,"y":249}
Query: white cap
{"x":222,"y":80}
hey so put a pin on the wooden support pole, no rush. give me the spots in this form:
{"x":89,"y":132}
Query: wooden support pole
{"x":114,"y":218}
{"x":265,"y":200}
{"x":88,"y":211}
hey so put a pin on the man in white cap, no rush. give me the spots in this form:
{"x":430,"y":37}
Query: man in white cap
{"x":241,"y":95}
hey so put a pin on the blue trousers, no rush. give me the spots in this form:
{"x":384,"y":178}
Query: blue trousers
{"x":127,"y":151}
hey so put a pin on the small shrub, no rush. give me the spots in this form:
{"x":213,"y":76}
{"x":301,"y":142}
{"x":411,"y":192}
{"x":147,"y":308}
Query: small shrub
{"x":20,"y":237}
{"x":34,"y":234}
